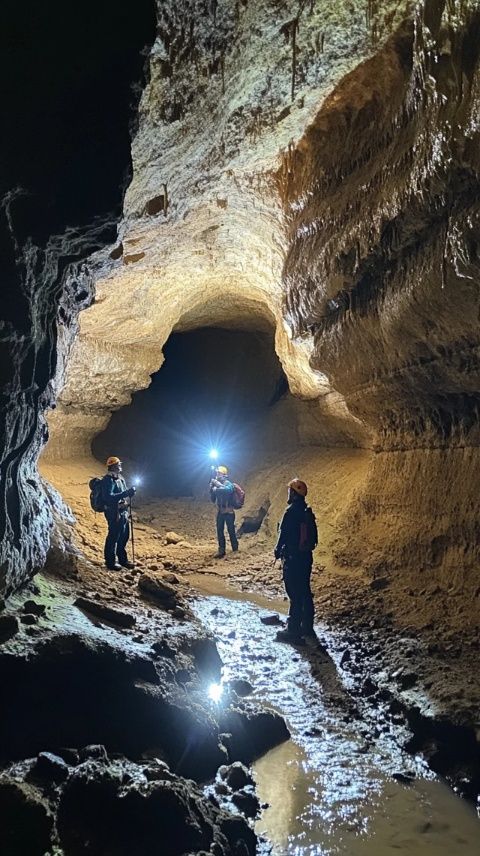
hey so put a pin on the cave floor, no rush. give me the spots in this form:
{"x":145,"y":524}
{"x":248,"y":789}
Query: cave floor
{"x":398,"y":690}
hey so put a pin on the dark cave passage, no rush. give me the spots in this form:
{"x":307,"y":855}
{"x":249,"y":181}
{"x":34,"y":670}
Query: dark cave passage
{"x":217,"y":389}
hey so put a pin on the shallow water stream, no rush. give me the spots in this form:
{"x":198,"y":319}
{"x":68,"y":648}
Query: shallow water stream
{"x":330,"y":789}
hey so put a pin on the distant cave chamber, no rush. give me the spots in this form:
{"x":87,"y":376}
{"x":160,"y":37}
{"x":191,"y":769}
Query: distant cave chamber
{"x":217,"y":389}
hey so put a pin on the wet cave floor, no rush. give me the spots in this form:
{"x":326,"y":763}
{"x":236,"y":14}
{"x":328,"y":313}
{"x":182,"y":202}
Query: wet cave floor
{"x":367,"y":769}
{"x":342,"y":784}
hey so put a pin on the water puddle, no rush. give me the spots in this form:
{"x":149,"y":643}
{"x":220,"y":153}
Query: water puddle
{"x":330,"y":788}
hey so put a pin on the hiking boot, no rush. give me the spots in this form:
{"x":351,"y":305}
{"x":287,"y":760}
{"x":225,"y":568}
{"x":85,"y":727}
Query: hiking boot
{"x":115,"y":567}
{"x":129,"y":565}
{"x":290,"y":638}
{"x":235,"y":549}
{"x":219,"y":556}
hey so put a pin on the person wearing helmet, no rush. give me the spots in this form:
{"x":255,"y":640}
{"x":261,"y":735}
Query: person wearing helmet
{"x":221,"y":493}
{"x":114,"y":495}
{"x":297,"y":538}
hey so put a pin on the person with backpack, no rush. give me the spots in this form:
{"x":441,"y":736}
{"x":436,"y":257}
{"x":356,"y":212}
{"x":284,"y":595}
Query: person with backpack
{"x":113,"y":497}
{"x":222,"y":493}
{"x":297,"y":538}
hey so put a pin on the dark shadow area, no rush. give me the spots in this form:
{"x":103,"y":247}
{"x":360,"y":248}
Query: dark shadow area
{"x":214,"y":391}
{"x":69,"y":78}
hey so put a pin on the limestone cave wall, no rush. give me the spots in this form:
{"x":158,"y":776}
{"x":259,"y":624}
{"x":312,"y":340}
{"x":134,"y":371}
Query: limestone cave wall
{"x":61,"y":189}
{"x":383,"y":269}
{"x":309,"y":169}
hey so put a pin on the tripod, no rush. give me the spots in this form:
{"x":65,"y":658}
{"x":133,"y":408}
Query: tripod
{"x":131,"y":529}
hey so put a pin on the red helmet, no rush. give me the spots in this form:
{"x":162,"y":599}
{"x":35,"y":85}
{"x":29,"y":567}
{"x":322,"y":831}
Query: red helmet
{"x":298,"y":486}
{"x":112,"y":460}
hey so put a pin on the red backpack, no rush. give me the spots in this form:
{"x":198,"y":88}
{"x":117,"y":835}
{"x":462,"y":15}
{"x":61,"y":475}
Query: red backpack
{"x":238,"y":496}
{"x":308,"y":532}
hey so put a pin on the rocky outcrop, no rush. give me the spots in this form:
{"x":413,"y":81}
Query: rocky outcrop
{"x":35,"y":350}
{"x":203,"y":237}
{"x":104,"y":805}
{"x":383,"y":268}
{"x":61,"y":190}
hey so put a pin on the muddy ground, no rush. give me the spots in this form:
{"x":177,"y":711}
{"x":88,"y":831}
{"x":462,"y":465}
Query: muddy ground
{"x":393,"y":669}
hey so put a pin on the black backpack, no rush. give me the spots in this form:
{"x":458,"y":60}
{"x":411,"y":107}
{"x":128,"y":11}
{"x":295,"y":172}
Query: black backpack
{"x":308,"y":532}
{"x":96,"y":500}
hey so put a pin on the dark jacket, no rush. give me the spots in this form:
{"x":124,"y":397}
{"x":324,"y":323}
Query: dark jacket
{"x":288,"y":542}
{"x":222,"y":495}
{"x":113,"y":491}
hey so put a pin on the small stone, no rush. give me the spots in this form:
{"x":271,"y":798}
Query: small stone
{"x":369,"y":687}
{"x":247,"y":803}
{"x":156,"y":588}
{"x":94,"y":751}
{"x":170,"y":578}
{"x":105,"y":613}
{"x":31,"y":606}
{"x":179,"y":612}
{"x":173,"y":538}
{"x":8,"y":627}
{"x":237,"y":776}
{"x":271,"y":619}
{"x":28,"y":619}
{"x":346,"y":656}
{"x":379,"y":583}
{"x":50,"y":766}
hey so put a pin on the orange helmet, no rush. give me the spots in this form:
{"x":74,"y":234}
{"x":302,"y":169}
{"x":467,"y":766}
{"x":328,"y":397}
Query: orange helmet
{"x":112,"y":460}
{"x":298,"y":486}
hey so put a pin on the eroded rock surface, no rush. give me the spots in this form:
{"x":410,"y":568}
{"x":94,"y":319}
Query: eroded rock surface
{"x":116,"y":806}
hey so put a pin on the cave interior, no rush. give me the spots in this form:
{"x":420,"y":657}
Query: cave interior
{"x":254,"y":228}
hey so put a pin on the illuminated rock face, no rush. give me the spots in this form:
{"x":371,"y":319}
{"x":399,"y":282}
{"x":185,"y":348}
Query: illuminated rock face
{"x":313,"y":171}
{"x":204,"y":235}
{"x":383,"y":269}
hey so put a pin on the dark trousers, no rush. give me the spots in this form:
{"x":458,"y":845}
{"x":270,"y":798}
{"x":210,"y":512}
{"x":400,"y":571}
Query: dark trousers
{"x":296,"y":577}
{"x":226,"y":517}
{"x":117,"y":539}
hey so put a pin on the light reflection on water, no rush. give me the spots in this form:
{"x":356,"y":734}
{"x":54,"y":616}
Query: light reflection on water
{"x":330,"y":789}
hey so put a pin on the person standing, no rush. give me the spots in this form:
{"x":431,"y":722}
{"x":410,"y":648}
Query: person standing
{"x":115,"y":494}
{"x":297,"y":538}
{"x":221,"y":493}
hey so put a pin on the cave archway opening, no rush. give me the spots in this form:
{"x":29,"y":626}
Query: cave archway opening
{"x":217,"y":390}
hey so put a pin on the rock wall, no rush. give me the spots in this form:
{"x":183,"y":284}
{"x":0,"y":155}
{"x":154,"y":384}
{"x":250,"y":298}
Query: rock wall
{"x":309,"y":169}
{"x":64,"y":159}
{"x":383,"y":269}
{"x":204,"y":236}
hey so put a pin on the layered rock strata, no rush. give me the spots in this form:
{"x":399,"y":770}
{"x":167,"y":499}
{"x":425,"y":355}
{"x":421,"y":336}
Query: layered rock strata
{"x":383,"y":269}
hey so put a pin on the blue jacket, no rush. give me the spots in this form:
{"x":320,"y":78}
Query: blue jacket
{"x":113,"y":490}
{"x":223,"y":496}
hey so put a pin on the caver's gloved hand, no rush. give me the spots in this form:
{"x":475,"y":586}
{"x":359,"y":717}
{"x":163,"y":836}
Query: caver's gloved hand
{"x":131,"y":491}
